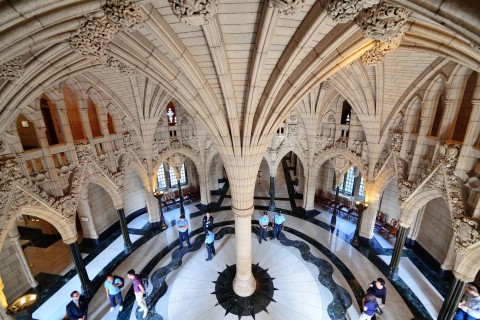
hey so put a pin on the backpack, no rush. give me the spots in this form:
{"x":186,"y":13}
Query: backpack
{"x":121,"y":279}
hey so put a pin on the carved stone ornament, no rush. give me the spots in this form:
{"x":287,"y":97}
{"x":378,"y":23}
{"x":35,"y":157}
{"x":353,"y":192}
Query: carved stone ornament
{"x":373,"y":56}
{"x":122,"y":67}
{"x":378,"y":53}
{"x":123,"y":14}
{"x":242,"y":213}
{"x":92,"y":38}
{"x":465,"y":233}
{"x":287,"y":7}
{"x":342,"y":11}
{"x":331,"y":118}
{"x":292,"y":131}
{"x":176,"y":160}
{"x":12,"y":69}
{"x":327,"y":84}
{"x":383,"y":22}
{"x":194,"y":12}
{"x":475,"y":46}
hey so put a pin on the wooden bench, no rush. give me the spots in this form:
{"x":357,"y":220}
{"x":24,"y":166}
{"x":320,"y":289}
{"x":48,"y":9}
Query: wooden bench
{"x":390,"y":230}
{"x":380,"y":220}
{"x":353,"y":214}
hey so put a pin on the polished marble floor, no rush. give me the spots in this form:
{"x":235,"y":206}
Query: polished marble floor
{"x":318,"y":274}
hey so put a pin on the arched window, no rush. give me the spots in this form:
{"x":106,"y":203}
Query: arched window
{"x":171,"y":182}
{"x":463,"y":116}
{"x":27,"y":134}
{"x":346,"y":187}
{"x":162,"y":183}
{"x":437,"y":121}
{"x":346,"y":113}
{"x":111,"y":127}
{"x":93,"y":119}
{"x":361,"y":189}
{"x":173,"y":177}
{"x":50,"y":118}
{"x":418,"y":122}
{"x":171,"y":114}
{"x":183,"y":175}
{"x":349,"y":179}
{"x":73,"y":114}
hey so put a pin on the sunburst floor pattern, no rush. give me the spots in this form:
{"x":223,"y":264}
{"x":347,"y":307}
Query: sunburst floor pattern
{"x":244,"y":306}
{"x":299,"y":294}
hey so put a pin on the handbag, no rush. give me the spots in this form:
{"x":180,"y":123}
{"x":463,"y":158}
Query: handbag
{"x":378,"y":310}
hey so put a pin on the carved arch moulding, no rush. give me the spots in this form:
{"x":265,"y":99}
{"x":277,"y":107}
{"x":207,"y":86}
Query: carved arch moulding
{"x":441,"y":178}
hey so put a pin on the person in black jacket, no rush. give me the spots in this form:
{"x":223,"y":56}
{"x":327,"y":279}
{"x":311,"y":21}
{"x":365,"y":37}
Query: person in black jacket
{"x":207,"y":222}
{"x":378,"y":289}
{"x":77,"y":308}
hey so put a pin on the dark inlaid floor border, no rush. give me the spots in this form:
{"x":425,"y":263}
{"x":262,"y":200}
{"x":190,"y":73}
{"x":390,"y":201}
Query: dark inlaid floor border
{"x":336,"y":309}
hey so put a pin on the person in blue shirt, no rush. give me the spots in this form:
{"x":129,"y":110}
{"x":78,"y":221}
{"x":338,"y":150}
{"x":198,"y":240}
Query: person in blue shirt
{"x":77,"y":308}
{"x":182,"y":226}
{"x":112,"y":285}
{"x":369,"y":305}
{"x":263,"y":222}
{"x":209,"y":239}
{"x":277,"y":221}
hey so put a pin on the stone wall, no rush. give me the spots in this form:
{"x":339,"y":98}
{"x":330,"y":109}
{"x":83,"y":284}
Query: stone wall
{"x":436,"y":231}
{"x":102,"y":209}
{"x":134,"y":194}
{"x":390,"y":201}
{"x":11,"y":273}
{"x":325,"y":177}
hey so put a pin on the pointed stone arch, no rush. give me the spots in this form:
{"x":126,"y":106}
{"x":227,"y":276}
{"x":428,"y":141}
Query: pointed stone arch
{"x":25,"y":201}
{"x":275,"y":156}
{"x":348,"y":154}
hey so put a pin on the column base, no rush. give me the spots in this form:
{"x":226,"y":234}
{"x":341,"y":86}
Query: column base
{"x":355,"y":241}
{"x":90,"y":243}
{"x":85,"y":290}
{"x":393,"y":274}
{"x":244,"y":288}
{"x":271,"y":207}
{"x":128,"y":249}
{"x":366,"y":241}
{"x":155,"y":226}
{"x":333,"y":221}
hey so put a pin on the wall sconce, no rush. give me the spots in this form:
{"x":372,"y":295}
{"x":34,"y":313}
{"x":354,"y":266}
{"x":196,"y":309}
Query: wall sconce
{"x":22,"y":303}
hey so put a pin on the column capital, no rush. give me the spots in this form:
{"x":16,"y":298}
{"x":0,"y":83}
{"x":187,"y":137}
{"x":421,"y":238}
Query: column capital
{"x":71,"y":240}
{"x":462,"y":277}
{"x":242,"y":213}
{"x":13,"y":233}
{"x":404,"y":224}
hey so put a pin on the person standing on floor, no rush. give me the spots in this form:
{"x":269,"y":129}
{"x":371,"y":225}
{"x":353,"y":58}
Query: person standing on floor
{"x":277,"y":221}
{"x":182,"y":226}
{"x":469,"y":307}
{"x":112,"y":287}
{"x":77,"y":308}
{"x":378,"y":289}
{"x":207,"y":222}
{"x":139,"y":291}
{"x":209,"y":239}
{"x":263,"y":222}
{"x":369,"y":305}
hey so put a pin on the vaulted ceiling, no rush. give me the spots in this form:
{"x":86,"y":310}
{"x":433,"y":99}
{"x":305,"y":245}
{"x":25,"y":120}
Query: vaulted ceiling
{"x":239,"y":67}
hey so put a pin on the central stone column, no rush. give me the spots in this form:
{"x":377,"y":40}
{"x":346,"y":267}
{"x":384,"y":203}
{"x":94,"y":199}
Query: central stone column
{"x":242,"y":174}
